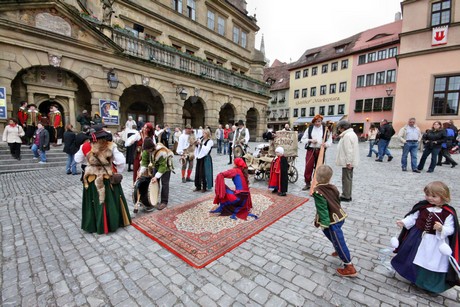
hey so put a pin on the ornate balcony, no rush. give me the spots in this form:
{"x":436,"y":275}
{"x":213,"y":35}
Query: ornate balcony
{"x":173,"y":58}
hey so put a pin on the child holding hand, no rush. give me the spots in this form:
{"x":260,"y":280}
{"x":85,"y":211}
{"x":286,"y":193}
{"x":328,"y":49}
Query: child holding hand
{"x":426,"y":227}
{"x":330,"y":216}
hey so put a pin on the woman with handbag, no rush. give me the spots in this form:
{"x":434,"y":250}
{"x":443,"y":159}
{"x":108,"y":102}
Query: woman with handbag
{"x":104,"y":207}
{"x":12,"y":135}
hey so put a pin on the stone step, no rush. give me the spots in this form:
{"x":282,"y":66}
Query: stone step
{"x":55,"y":156}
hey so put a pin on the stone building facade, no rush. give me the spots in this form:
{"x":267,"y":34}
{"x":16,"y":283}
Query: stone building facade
{"x":176,"y":62}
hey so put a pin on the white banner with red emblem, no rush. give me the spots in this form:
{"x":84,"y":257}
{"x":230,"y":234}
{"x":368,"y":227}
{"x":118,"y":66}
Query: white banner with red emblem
{"x":439,"y":36}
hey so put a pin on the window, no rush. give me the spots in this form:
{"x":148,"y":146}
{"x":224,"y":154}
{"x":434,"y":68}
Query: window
{"x":391,"y":76}
{"x":305,"y":72}
{"x":296,"y":94}
{"x":440,"y":13}
{"x":387,"y":103}
{"x":296,"y":113}
{"x":332,"y":88}
{"x":322,"y":90}
{"x":381,"y":55}
{"x":304,"y":92}
{"x":236,"y":35}
{"x":314,"y":71}
{"x":211,"y":20}
{"x":321,"y":110}
{"x":371,"y":57}
{"x":392,"y":52}
{"x":360,"y":81}
{"x":334,"y":66}
{"x":302,"y":111}
{"x":342,"y":87}
{"x":220,"y":25}
{"x":362,"y":59}
{"x":313,"y":92}
{"x":369,"y":79}
{"x":297,"y":74}
{"x":191,"y":9}
{"x":359,"y":105}
{"x":344,"y":64}
{"x":367,"y":105}
{"x":178,"y":6}
{"x":377,"y":104}
{"x":341,"y":109}
{"x":330,"y":110}
{"x":312,"y":111}
{"x":446,"y":95}
{"x":324,"y":68}
{"x":244,"y":39}
{"x":380,"y":78}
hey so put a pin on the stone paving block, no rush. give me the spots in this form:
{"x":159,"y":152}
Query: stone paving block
{"x":292,"y":297}
{"x":261,"y":280}
{"x":275,"y":301}
{"x":260,"y":295}
{"x":245,"y":285}
{"x":304,"y":283}
{"x":362,"y":298}
{"x":286,"y":274}
{"x":275,"y":287}
{"x":156,"y":291}
{"x":212,"y":291}
{"x":258,"y":261}
{"x":206,"y":301}
{"x":168,"y":300}
{"x":229,"y":290}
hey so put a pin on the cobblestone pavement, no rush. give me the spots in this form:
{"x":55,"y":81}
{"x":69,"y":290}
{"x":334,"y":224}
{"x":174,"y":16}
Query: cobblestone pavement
{"x":47,"y":260}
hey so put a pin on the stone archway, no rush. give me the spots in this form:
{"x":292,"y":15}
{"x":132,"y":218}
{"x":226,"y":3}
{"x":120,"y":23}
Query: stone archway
{"x":252,"y":117}
{"x":44,"y":85}
{"x":193,"y":112}
{"x":227,"y":114}
{"x":141,"y":101}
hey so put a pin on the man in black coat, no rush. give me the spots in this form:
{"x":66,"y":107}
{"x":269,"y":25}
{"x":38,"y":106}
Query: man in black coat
{"x":386,"y":131}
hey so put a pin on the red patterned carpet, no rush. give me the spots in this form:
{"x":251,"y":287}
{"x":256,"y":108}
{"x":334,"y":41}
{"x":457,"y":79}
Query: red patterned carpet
{"x":193,"y":234}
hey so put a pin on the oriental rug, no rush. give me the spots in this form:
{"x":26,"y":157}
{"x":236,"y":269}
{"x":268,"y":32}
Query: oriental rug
{"x":194,"y":235}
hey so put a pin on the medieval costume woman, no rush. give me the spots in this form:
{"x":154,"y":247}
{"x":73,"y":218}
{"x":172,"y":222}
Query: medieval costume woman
{"x":279,"y":173}
{"x":104,"y":206}
{"x":237,"y":203}
{"x":204,"y":168}
{"x":147,"y":131}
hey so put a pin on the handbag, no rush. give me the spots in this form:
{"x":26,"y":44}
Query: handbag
{"x":116,"y":178}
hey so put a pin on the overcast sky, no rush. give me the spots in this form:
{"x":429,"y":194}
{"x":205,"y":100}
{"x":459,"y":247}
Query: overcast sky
{"x":292,"y":26}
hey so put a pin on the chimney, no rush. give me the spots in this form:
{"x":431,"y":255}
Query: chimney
{"x":398,"y":16}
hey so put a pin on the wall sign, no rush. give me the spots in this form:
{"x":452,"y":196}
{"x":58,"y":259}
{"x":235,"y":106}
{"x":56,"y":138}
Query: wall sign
{"x":109,"y":111}
{"x":439,"y":36}
{"x":2,"y":103}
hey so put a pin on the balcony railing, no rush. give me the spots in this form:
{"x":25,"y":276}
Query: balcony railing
{"x":172,"y":58}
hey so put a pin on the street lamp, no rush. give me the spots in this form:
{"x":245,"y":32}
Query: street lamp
{"x":112,"y":79}
{"x":389,"y":91}
{"x":181,"y":92}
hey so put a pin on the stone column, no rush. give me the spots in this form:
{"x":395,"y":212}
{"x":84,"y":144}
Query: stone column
{"x":72,"y":117}
{"x":30,"y":97}
{"x":172,"y":110}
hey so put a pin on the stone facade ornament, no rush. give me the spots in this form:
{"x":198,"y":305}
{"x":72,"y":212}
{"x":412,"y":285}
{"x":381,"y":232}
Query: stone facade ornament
{"x":54,"y":60}
{"x":107,"y":11}
{"x":145,"y":81}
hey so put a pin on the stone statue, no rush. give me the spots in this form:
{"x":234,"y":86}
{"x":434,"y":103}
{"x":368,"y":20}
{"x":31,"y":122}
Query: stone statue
{"x":107,"y":11}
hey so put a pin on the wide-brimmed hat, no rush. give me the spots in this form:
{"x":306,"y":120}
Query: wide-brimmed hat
{"x":318,"y":116}
{"x":240,"y":122}
{"x":188,"y":126}
{"x":97,"y":132}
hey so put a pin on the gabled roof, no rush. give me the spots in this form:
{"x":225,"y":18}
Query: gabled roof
{"x":278,"y":73}
{"x":385,"y":34}
{"x":327,"y":52}
{"x":382,"y":35}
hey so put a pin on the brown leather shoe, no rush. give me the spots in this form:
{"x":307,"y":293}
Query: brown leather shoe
{"x":334,"y":254}
{"x":306,"y":187}
{"x":196,"y":190}
{"x":347,"y":271}
{"x":161,"y":206}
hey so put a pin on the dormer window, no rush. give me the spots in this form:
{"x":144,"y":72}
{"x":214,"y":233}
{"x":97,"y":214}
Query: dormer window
{"x":340,"y":49}
{"x":311,"y":56}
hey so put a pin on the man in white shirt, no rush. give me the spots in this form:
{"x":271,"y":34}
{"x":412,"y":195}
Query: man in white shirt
{"x":313,"y":139}
{"x":186,"y":143}
{"x":130,"y":123}
{"x":410,"y":136}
